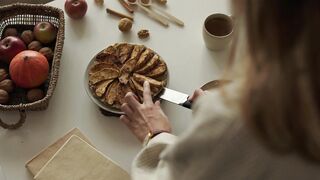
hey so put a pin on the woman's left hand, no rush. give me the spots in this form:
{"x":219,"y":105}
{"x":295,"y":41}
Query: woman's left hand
{"x":146,"y":117}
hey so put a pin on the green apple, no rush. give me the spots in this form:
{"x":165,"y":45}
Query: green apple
{"x":45,"y":32}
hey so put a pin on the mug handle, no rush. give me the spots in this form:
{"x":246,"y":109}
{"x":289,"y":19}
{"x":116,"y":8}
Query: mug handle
{"x":16,"y":125}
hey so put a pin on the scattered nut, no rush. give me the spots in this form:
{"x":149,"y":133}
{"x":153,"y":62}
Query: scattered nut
{"x":145,"y":1}
{"x":35,"y":95}
{"x":47,"y":52}
{"x":163,"y":1}
{"x":35,"y":46}
{"x":99,"y":2}
{"x":125,"y":25}
{"x":10,"y":32}
{"x":7,"y":85}
{"x":144,"y":33}
{"x":27,"y":36}
{"x":3,"y":74}
{"x":4,"y":96}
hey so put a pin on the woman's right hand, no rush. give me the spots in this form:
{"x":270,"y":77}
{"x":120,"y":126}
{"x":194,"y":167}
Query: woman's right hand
{"x":196,"y":94}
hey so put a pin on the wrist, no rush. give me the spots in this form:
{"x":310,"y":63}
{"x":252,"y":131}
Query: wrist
{"x":157,"y":132}
{"x":152,"y":134}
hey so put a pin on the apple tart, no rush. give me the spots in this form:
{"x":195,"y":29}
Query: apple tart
{"x":123,"y":68}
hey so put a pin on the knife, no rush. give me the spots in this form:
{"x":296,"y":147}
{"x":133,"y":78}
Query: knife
{"x":182,"y":99}
{"x":176,"y":98}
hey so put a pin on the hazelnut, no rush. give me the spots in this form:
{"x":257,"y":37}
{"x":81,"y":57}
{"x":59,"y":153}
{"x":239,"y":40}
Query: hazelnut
{"x":3,"y":74}
{"x":35,"y":46}
{"x":47,"y":52}
{"x":35,"y":95}
{"x":4,"y":96}
{"x":144,"y":33}
{"x":27,"y":36}
{"x":10,"y":32}
{"x":125,"y":25}
{"x":7,"y":85}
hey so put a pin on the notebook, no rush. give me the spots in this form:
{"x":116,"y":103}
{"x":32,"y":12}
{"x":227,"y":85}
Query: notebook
{"x":38,"y":161}
{"x":78,"y":160}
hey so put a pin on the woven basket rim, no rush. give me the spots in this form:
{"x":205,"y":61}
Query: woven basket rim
{"x":43,"y":103}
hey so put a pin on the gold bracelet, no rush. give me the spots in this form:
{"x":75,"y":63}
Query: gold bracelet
{"x":151,"y":135}
{"x":147,"y":139}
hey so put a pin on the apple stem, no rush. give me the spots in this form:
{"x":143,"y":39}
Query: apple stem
{"x":26,"y":58}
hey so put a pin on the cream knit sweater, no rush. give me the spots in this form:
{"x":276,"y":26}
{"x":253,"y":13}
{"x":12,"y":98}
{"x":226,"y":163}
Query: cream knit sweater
{"x":217,"y":146}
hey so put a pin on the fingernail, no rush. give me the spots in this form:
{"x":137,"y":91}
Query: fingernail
{"x":146,"y":83}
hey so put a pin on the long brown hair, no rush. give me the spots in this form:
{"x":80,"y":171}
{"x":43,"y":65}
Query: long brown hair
{"x":282,"y":94}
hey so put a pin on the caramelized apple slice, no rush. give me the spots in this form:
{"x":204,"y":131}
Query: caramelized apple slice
{"x":144,"y":58}
{"x":102,"y":65}
{"x":129,"y":66}
{"x":157,"y":71}
{"x":104,"y":74}
{"x":108,"y":54}
{"x":123,"y":51}
{"x":155,"y":86}
{"x":123,"y":90}
{"x":150,"y":65}
{"x":102,"y":87}
{"x":111,"y":94}
{"x":137,"y":88}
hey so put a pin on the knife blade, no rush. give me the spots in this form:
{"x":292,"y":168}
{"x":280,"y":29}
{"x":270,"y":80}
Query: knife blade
{"x":176,"y":97}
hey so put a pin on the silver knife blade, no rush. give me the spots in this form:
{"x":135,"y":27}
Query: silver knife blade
{"x":174,"y":96}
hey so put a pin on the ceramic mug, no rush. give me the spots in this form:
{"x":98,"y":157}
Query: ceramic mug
{"x":217,"y":31}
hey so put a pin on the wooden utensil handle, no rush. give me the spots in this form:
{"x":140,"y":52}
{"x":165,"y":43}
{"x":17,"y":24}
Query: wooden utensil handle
{"x":113,"y":12}
{"x":154,"y":15}
{"x":126,"y":6}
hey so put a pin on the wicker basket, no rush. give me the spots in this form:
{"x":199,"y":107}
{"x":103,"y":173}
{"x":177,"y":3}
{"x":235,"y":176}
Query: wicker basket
{"x":22,"y":15}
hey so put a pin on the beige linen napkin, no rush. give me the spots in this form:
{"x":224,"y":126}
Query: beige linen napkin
{"x":78,"y":160}
{"x":38,"y":161}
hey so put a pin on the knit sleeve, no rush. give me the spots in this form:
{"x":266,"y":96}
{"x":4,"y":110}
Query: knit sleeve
{"x":148,"y":164}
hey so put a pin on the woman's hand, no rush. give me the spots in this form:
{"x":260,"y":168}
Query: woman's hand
{"x":146,"y":117}
{"x":196,"y":94}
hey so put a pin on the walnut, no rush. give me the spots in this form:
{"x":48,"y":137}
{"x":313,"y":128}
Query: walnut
{"x":10,"y":32}
{"x":27,"y":36}
{"x":144,"y":33}
{"x":7,"y":85}
{"x":35,"y":95}
{"x":47,"y":52}
{"x":3,"y":74}
{"x":145,"y":1}
{"x":99,"y":2}
{"x":110,"y":81}
{"x":35,"y":46}
{"x":125,"y":25}
{"x":4,"y":96}
{"x":162,"y":1}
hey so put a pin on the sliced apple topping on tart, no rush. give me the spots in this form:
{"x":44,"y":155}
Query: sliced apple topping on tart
{"x":123,"y":68}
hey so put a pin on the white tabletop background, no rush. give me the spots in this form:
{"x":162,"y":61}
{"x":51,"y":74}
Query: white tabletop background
{"x":190,"y":65}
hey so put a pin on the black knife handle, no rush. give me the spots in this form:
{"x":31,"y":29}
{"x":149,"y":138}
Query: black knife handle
{"x":187,"y":104}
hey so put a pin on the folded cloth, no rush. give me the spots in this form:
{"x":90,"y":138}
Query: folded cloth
{"x":38,"y":161}
{"x":78,"y":160}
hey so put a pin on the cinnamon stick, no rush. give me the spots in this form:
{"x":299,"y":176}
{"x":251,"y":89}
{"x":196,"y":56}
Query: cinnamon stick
{"x":126,"y":6}
{"x":113,"y":12}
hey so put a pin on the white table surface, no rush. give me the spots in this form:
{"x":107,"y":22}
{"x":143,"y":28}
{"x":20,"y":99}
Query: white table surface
{"x":190,"y":65}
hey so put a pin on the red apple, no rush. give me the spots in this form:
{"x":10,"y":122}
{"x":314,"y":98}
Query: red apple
{"x":45,"y":32}
{"x":75,"y":9}
{"x":29,"y":69}
{"x":10,"y":47}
